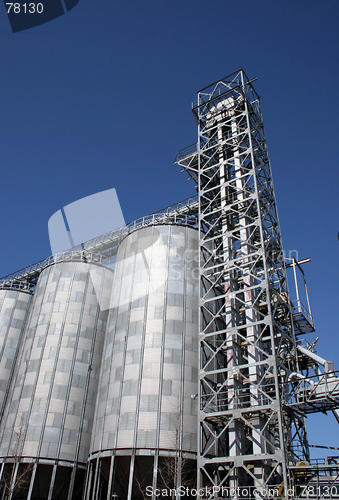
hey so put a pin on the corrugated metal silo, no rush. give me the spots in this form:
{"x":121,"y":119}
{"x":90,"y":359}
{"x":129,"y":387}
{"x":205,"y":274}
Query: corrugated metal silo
{"x":14,"y":306}
{"x":49,"y":420}
{"x":146,"y":407}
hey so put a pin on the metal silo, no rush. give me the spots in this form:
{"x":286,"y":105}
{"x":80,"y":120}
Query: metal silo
{"x":14,"y":306}
{"x":145,"y":431}
{"x":46,"y":429}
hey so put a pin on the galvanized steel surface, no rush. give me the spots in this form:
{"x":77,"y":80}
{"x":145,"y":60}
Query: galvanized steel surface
{"x":14,"y":306}
{"x":51,"y":403}
{"x":149,"y":366}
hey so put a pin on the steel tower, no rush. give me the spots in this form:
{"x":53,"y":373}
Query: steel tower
{"x":247,"y":343}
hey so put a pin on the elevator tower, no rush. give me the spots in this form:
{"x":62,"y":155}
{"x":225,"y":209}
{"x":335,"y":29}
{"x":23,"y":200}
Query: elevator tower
{"x":248,"y":352}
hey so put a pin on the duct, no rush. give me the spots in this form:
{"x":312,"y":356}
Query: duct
{"x":299,"y":375}
{"x":328,"y":365}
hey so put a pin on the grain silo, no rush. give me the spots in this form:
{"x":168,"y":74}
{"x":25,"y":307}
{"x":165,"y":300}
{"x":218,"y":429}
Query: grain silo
{"x":145,"y":428}
{"x":46,"y":428}
{"x":14,"y":306}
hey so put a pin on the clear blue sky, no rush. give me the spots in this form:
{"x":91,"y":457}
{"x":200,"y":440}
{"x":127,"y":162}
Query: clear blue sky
{"x":101,"y":98}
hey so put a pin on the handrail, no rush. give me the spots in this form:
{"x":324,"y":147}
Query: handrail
{"x":300,"y":308}
{"x":184,"y":212}
{"x":313,"y":391}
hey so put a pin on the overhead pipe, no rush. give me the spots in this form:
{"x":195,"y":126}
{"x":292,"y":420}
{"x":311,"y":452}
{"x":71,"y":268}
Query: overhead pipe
{"x":328,"y":365}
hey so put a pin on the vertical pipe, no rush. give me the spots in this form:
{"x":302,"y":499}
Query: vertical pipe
{"x":71,"y":482}
{"x":308,"y":300}
{"x":155,"y":473}
{"x":94,"y":495}
{"x":31,"y":484}
{"x":131,"y":474}
{"x":51,"y":484}
{"x":1,"y":471}
{"x":89,"y":481}
{"x":13,"y":480}
{"x":296,"y":284}
{"x":110,"y":478}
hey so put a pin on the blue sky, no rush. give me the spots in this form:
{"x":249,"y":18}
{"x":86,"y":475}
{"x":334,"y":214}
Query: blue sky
{"x":101,"y":98}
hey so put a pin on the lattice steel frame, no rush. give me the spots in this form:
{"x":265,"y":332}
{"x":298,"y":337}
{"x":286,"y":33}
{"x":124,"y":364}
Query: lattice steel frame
{"x":247,"y":345}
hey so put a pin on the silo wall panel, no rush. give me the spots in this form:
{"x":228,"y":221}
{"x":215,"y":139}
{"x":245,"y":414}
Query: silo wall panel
{"x":150,"y":356}
{"x":14,"y":308}
{"x":55,"y":386}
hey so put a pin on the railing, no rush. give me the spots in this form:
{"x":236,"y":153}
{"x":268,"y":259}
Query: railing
{"x":309,"y":394}
{"x":313,"y":394}
{"x":318,"y":480}
{"x":182,"y":213}
{"x":186,"y":152}
{"x":301,"y":309}
{"x":230,"y":399}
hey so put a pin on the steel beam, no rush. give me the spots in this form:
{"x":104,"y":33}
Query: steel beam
{"x":247,"y":342}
